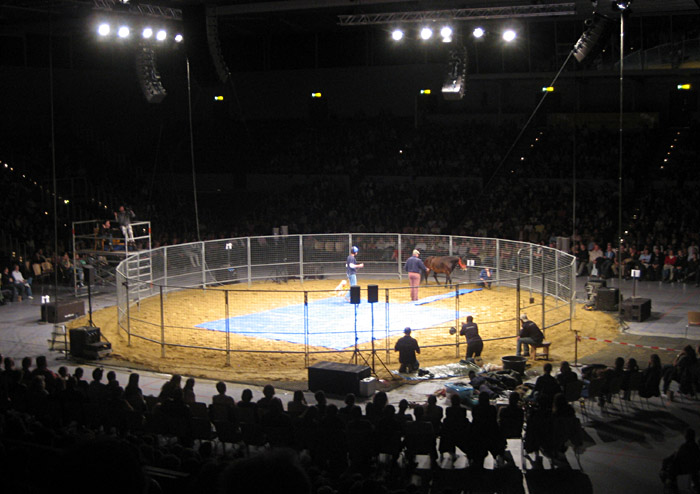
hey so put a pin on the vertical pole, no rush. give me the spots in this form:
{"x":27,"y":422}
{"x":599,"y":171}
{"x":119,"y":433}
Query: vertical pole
{"x":203,"y":264}
{"x":544,"y":281}
{"x":306,"y":329}
{"x":162,"y":325}
{"x":228,"y":329}
{"x":128,"y":314}
{"x":301,"y":259}
{"x":576,"y":349}
{"x":398,"y":260}
{"x":165,"y":267}
{"x":248,"y":258}
{"x":498,"y":260}
{"x":623,"y":13}
{"x":556,"y":276}
{"x":457,"y":320}
{"x":450,"y":247}
{"x":386,"y":325}
{"x":371,"y":306}
{"x":517,"y":306}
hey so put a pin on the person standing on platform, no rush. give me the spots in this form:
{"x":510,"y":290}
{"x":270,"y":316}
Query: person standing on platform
{"x":351,"y":267}
{"x":124,"y":217}
{"x":475,"y":344}
{"x":407,"y":346}
{"x":415,"y":268}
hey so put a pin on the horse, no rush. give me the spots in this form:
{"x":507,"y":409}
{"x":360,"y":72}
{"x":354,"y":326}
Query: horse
{"x":444,"y":265}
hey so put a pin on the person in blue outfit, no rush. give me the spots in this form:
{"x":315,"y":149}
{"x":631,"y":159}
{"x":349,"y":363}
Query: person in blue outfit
{"x":485,"y":278}
{"x":475,"y":345}
{"x":351,"y":267}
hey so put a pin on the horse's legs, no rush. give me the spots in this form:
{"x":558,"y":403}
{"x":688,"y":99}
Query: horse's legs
{"x":436,"y":278}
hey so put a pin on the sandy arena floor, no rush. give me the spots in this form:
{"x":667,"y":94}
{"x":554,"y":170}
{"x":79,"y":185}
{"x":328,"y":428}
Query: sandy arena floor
{"x":254,"y":359}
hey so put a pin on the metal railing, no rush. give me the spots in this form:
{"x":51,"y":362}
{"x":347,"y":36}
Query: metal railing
{"x":227,"y":275}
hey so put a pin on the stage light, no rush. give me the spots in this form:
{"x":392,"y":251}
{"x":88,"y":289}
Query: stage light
{"x":316,"y":95}
{"x":178,"y":38}
{"x":426,"y":33}
{"x":478,"y":32}
{"x":684,"y":87}
{"x":103,"y":29}
{"x":161,"y":35}
{"x":218,"y":98}
{"x":509,"y":35}
{"x":425,"y":91}
{"x":397,"y":35}
{"x":147,"y":33}
{"x":446,"y":33}
{"x":123,"y":32}
{"x":548,"y":89}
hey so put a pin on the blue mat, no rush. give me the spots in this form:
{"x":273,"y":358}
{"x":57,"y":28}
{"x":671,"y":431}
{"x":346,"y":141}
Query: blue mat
{"x":442,"y":296}
{"x":332,"y":322}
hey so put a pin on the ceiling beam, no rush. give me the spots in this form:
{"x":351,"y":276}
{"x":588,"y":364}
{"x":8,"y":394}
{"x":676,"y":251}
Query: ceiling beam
{"x":559,"y":9}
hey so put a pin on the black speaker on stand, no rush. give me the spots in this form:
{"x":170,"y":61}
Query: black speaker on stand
{"x":355,"y":294}
{"x":372,"y":294}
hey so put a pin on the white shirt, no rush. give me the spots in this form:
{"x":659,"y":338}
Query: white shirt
{"x":18,"y":277}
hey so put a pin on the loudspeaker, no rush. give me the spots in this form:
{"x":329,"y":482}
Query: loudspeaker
{"x":372,"y":293}
{"x":57,"y":312}
{"x":85,"y":343}
{"x":607,"y":299}
{"x":336,"y":378}
{"x":636,"y":309}
{"x":355,"y":294}
{"x":89,"y":274}
{"x":593,"y":40}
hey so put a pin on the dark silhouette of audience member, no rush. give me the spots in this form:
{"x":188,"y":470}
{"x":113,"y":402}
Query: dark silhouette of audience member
{"x":564,"y":429}
{"x":170,"y":388}
{"x":546,"y":386}
{"x":684,"y":461}
{"x":298,"y":405}
{"x":486,"y":435}
{"x":97,"y":390}
{"x":511,"y":417}
{"x":651,"y":378}
{"x":274,"y":471}
{"x":264,"y":403}
{"x":188,"y":391}
{"x":133,"y":394}
{"x":566,"y":375}
{"x":346,"y":411}
{"x":455,"y":428}
{"x":631,"y":368}
{"x":246,"y":408}
{"x":681,"y":372}
{"x":222,"y":398}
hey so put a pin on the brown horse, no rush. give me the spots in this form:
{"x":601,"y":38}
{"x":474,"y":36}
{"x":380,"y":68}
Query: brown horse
{"x":443,"y":265}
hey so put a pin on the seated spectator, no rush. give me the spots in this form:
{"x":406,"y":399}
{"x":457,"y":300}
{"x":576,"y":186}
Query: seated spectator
{"x":266,"y":400}
{"x":593,"y":256}
{"x":433,"y":413}
{"x":170,"y":387}
{"x":684,"y":461}
{"x":97,"y":390}
{"x":298,"y":405}
{"x":668,"y":270}
{"x":564,"y":429}
{"x":631,"y":368}
{"x":680,"y":372}
{"x":346,"y":411}
{"x":651,"y":378}
{"x":566,"y":375}
{"x":188,"y":391}
{"x":455,"y":428}
{"x":656,"y":264}
{"x":9,"y":289}
{"x":485,"y":278}
{"x":512,"y":417}
{"x":222,"y":398}
{"x":546,"y":386}
{"x":133,"y":394}
{"x":23,"y":285}
{"x":485,"y":433}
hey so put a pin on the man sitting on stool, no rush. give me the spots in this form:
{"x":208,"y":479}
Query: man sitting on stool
{"x":407,"y":348}
{"x":530,"y":334}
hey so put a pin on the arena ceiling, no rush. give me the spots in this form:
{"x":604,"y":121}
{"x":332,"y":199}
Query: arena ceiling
{"x":298,"y":15}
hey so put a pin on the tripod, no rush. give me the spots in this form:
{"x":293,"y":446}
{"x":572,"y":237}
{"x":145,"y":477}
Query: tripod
{"x":357,"y":354}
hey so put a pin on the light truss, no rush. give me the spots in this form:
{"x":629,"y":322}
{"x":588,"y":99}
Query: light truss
{"x":547,"y":10}
{"x":141,"y":9}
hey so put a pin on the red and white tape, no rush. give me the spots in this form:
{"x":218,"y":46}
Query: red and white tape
{"x":579,"y":338}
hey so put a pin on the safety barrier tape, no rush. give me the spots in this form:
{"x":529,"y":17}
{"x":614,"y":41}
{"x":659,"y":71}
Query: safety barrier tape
{"x":579,"y":338}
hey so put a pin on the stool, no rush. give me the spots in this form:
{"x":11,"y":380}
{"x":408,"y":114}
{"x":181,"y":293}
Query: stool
{"x":544,"y":354}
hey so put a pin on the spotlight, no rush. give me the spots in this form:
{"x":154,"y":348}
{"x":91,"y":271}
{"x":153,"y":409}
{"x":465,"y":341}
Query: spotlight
{"x":178,"y":38}
{"x":509,"y":35}
{"x":147,"y":33}
{"x":426,"y":33}
{"x":103,"y":29}
{"x":161,"y":35}
{"x":446,"y":33}
{"x":478,"y":32}
{"x":123,"y":32}
{"x":397,"y":35}
{"x":621,"y":4}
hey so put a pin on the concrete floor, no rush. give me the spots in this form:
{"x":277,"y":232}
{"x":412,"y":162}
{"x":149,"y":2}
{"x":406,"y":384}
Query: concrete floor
{"x":625,"y":444}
